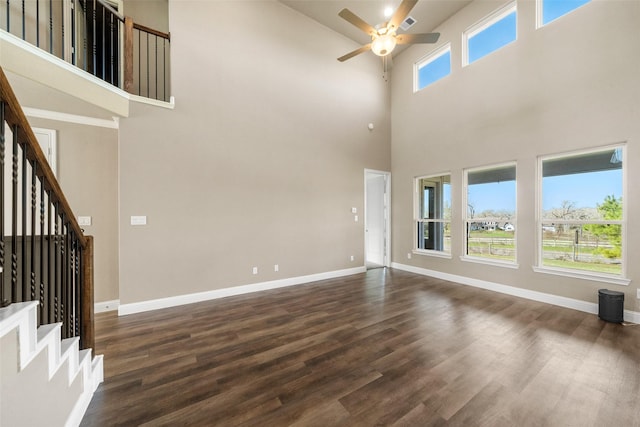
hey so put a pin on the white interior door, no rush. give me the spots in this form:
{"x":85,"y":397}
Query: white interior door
{"x":376,"y":218}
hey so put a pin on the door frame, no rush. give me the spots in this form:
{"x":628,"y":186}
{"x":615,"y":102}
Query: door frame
{"x":387,"y":219}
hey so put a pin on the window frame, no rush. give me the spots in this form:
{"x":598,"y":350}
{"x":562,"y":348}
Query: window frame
{"x":425,"y":61}
{"x":417,"y":217}
{"x":466,"y":220}
{"x":540,"y":13}
{"x":620,"y":279}
{"x":485,"y":23}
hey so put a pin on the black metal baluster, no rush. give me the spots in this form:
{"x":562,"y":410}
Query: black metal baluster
{"x":14,"y":218}
{"x":148,"y":65}
{"x":24,"y":23}
{"x":139,"y":63}
{"x":8,"y":15}
{"x":56,"y":280}
{"x":156,"y":65}
{"x":23,"y":252}
{"x":34,"y":193}
{"x":76,"y":283}
{"x":52,"y":309}
{"x":43,"y":315}
{"x":38,"y":23}
{"x":111,"y":47}
{"x":104,"y":46}
{"x":50,"y":27}
{"x":164,"y":69}
{"x":85,"y":44}
{"x":79,"y":268}
{"x":67,"y":282}
{"x":62,"y":29}
{"x":3,"y":299}
{"x":73,"y":32}
{"x":93,"y":41}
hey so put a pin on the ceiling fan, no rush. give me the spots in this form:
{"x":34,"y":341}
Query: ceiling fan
{"x":384,"y":37}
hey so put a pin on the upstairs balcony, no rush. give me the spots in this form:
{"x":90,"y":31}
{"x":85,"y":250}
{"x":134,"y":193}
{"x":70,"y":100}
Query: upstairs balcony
{"x":43,"y":38}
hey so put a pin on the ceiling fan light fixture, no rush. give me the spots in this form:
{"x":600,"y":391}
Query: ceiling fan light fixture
{"x":383,"y":44}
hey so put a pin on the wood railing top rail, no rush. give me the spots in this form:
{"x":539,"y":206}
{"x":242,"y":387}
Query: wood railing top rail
{"x":14,"y":116}
{"x":152,"y":31}
{"x":112,"y":10}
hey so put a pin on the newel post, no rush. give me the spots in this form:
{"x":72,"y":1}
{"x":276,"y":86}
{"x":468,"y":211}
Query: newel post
{"x":87,"y":328}
{"x":128,"y":54}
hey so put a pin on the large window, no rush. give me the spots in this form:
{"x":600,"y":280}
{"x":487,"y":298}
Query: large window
{"x":581,"y":218}
{"x":491,"y":214}
{"x":432,"y":68}
{"x":490,"y":34}
{"x":550,"y":10}
{"x":433,"y":214}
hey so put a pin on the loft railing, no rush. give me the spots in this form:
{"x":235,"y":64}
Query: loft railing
{"x":95,"y":37}
{"x":44,"y":255}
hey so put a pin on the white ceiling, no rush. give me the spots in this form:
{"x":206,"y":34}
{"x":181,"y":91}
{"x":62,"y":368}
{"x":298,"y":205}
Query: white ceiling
{"x":428,"y":14}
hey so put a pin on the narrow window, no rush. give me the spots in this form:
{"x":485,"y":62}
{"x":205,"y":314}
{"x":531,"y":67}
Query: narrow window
{"x":550,"y":10}
{"x":491,"y":214}
{"x":433,"y":214}
{"x":581,"y":212}
{"x":490,"y":34}
{"x":432,"y":68}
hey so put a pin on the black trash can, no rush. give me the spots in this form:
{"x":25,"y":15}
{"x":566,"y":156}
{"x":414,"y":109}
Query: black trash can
{"x":610,"y":306}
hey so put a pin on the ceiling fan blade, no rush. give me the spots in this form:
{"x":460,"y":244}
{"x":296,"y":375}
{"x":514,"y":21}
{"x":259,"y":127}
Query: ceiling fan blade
{"x":401,"y":13}
{"x":417,"y":38}
{"x":354,"y":19}
{"x":358,"y":51}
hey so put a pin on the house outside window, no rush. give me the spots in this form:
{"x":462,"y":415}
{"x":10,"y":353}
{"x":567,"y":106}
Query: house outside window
{"x":433,"y":214}
{"x":581,"y":213}
{"x":490,"y":218}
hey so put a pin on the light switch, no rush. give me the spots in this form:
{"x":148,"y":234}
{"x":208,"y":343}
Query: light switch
{"x":84,"y":220}
{"x":354,"y":210}
{"x":355,"y":218}
{"x":138,"y":220}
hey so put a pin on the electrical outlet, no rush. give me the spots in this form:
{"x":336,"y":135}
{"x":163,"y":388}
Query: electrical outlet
{"x":276,"y":267}
{"x":638,"y":295}
{"x":408,"y":255}
{"x":352,"y":257}
{"x":255,"y":270}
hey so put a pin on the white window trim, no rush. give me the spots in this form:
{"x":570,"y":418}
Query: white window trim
{"x":485,"y":23}
{"x":416,"y":219}
{"x":465,"y":219}
{"x":576,"y":273}
{"x":426,"y":60}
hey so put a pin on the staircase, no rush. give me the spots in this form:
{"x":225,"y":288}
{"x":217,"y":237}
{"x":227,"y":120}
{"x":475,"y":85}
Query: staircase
{"x":44,"y":380}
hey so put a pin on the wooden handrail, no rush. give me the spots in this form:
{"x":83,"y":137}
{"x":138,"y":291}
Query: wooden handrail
{"x":152,"y":31}
{"x":15,"y":116}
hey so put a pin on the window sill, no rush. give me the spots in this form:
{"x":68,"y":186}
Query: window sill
{"x":437,"y":254}
{"x":486,"y":261}
{"x":583,"y":275}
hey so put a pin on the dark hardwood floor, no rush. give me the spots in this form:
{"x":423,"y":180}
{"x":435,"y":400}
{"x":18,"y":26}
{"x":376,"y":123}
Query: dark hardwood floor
{"x":382,"y":348}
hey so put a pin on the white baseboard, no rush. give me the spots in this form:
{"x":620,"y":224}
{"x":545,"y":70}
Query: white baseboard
{"x":588,"y":307}
{"x":138,"y":307}
{"x":101,"y":307}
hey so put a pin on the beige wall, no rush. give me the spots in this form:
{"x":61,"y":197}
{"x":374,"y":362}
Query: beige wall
{"x":260,"y":162}
{"x":150,"y":13}
{"x":88,"y":176}
{"x":570,"y":85}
